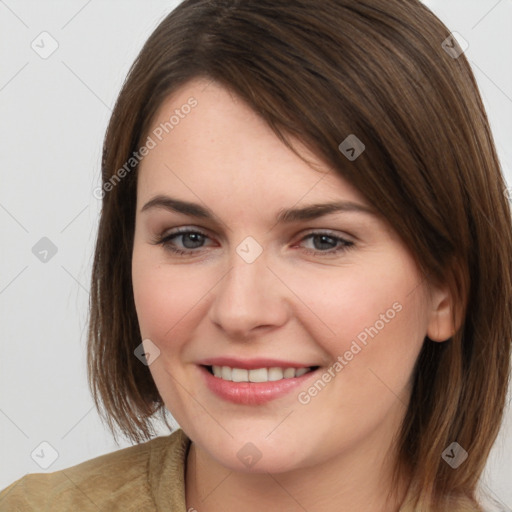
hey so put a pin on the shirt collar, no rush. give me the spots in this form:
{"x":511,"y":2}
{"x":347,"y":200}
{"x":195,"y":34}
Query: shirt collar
{"x":167,"y":464}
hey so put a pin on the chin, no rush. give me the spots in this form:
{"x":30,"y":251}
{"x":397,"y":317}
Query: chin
{"x":253,"y":454}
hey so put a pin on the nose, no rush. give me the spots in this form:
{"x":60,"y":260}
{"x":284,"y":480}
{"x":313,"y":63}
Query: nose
{"x":249,"y":297}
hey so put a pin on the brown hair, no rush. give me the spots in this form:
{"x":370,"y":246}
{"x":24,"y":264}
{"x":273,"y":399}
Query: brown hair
{"x":319,"y":71}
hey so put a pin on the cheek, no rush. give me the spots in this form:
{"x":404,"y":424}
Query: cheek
{"x":362,"y":299}
{"x":168,"y":299}
{"x":160,"y":301}
{"x":373,"y":316}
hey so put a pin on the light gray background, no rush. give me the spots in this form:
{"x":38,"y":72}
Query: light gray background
{"x":53,"y":116}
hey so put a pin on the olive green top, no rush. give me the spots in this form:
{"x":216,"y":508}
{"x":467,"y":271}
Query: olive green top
{"x":147,"y":477}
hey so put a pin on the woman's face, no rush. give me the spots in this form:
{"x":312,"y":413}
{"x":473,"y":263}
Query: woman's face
{"x":257,"y":289}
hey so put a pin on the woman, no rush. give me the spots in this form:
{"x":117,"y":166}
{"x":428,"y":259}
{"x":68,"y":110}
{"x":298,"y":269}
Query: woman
{"x":304,"y":255}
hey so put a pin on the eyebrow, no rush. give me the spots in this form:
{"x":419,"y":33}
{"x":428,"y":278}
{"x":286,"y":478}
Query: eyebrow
{"x":287,"y":215}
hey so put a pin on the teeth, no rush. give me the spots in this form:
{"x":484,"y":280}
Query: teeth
{"x":239,"y":375}
{"x":301,"y":371}
{"x":257,"y":375}
{"x":275,"y":374}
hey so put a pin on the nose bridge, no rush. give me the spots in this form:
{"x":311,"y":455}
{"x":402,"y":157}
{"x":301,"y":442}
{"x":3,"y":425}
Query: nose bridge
{"x":249,"y":294}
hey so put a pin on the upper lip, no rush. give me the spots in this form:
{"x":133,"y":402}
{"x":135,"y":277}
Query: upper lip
{"x":252,"y":364}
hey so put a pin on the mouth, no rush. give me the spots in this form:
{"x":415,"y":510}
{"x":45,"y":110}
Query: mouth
{"x":265,"y":374}
{"x":255,"y":386}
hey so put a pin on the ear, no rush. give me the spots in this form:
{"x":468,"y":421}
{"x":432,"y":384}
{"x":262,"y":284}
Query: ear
{"x":445,"y":315}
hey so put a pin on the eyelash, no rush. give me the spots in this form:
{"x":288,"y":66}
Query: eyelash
{"x":165,"y":241}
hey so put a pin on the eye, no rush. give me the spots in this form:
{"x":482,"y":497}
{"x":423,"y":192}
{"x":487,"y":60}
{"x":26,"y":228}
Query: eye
{"x":323,"y":238}
{"x":193,"y":240}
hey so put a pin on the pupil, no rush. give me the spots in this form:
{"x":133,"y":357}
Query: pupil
{"x":192,"y":235}
{"x":323,"y":238}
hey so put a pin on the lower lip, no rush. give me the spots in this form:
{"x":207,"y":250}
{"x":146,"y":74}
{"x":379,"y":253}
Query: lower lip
{"x":252,"y":393}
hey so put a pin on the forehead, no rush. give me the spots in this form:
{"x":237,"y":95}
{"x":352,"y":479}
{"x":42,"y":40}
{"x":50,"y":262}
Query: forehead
{"x":207,"y":142}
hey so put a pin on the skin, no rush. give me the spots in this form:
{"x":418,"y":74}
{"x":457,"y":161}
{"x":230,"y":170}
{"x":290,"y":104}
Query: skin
{"x":336,"y":452}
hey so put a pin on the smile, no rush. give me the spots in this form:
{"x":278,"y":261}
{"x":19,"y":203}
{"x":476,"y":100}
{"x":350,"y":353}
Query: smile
{"x":255,"y":386}
{"x":258,"y":374}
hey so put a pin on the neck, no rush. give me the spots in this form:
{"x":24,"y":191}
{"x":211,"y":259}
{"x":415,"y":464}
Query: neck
{"x":359,"y":479}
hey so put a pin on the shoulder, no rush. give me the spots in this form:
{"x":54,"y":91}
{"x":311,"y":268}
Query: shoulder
{"x":117,"y":481}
